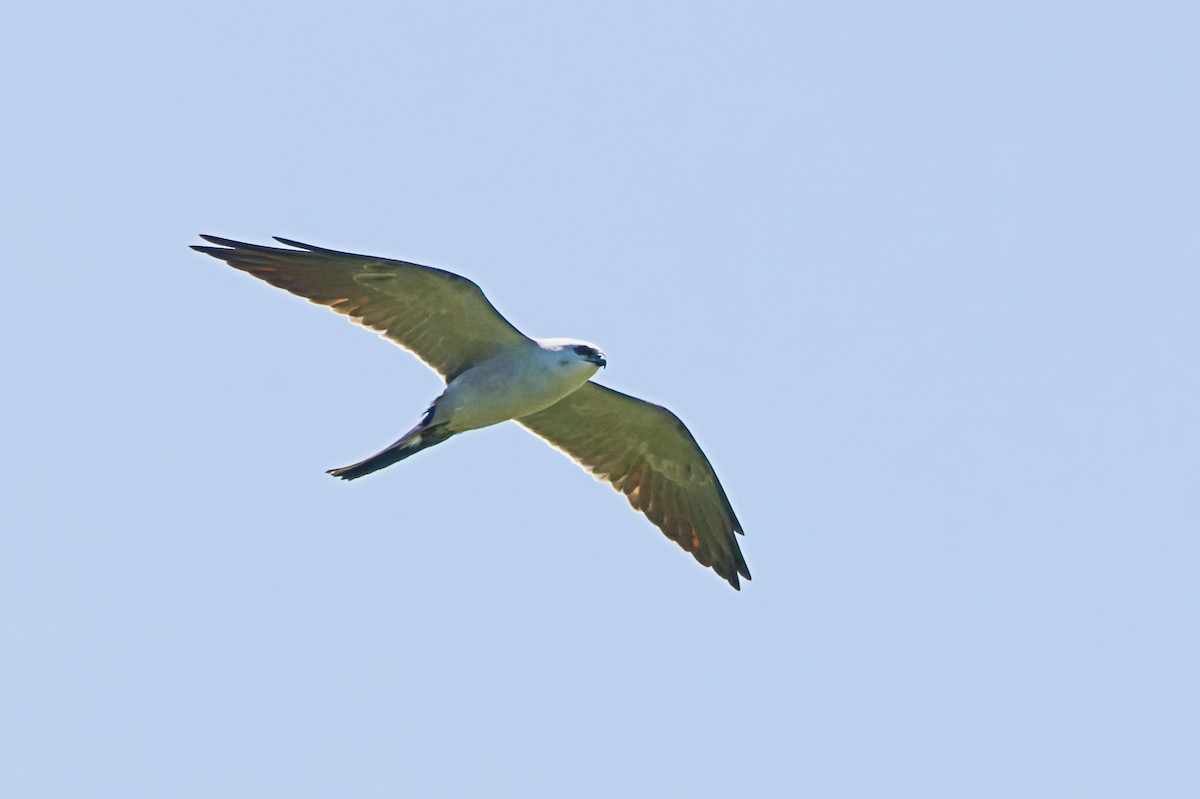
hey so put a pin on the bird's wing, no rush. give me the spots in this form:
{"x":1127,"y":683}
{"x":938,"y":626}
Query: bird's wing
{"x":439,"y":316}
{"x":647,"y":453}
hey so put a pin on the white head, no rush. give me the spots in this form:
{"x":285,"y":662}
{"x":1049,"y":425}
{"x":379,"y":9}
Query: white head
{"x":572,"y":352}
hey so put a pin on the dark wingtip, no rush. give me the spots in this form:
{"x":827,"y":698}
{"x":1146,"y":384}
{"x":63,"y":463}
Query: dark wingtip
{"x":311,"y":247}
{"x":732,"y":576}
{"x":244,"y":245}
{"x":223,"y":242}
{"x":294,"y":243}
{"x":223,"y":253}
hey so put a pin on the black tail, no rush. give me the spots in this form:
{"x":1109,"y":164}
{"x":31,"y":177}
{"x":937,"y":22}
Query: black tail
{"x":415,"y":441}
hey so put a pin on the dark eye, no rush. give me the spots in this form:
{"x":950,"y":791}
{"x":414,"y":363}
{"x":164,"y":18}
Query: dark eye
{"x":582,"y":350}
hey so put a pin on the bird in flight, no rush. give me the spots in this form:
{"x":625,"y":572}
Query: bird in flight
{"x":495,"y":373}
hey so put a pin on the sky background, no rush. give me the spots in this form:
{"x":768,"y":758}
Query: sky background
{"x":922,"y":278}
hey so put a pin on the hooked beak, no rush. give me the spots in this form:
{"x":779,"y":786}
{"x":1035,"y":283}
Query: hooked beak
{"x":599,"y":360}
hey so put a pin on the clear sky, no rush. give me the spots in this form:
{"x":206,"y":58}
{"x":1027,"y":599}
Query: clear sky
{"x":922,"y":278}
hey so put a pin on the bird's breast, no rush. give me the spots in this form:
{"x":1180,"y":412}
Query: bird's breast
{"x":505,"y":388}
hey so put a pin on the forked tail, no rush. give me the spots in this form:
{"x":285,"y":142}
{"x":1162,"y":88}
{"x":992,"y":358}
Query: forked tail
{"x":421,"y":437}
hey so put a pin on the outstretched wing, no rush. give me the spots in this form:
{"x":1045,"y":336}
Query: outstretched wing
{"x":649,"y":455}
{"x":439,"y":316}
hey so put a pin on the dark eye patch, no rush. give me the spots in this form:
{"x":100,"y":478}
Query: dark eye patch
{"x":582,"y":350}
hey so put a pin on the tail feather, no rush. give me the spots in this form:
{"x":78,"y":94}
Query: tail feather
{"x":412,"y":443}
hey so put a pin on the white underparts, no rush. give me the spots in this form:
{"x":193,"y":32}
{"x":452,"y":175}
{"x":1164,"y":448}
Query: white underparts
{"x":510,"y":385}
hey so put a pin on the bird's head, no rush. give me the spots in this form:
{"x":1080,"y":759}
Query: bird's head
{"x":572,"y":351}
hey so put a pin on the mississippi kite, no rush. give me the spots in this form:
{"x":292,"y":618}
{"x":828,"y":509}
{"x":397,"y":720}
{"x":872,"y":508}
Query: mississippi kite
{"x":494,"y":373}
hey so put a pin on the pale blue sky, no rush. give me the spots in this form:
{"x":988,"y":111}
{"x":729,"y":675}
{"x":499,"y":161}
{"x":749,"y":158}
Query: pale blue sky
{"x":921,"y":278}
